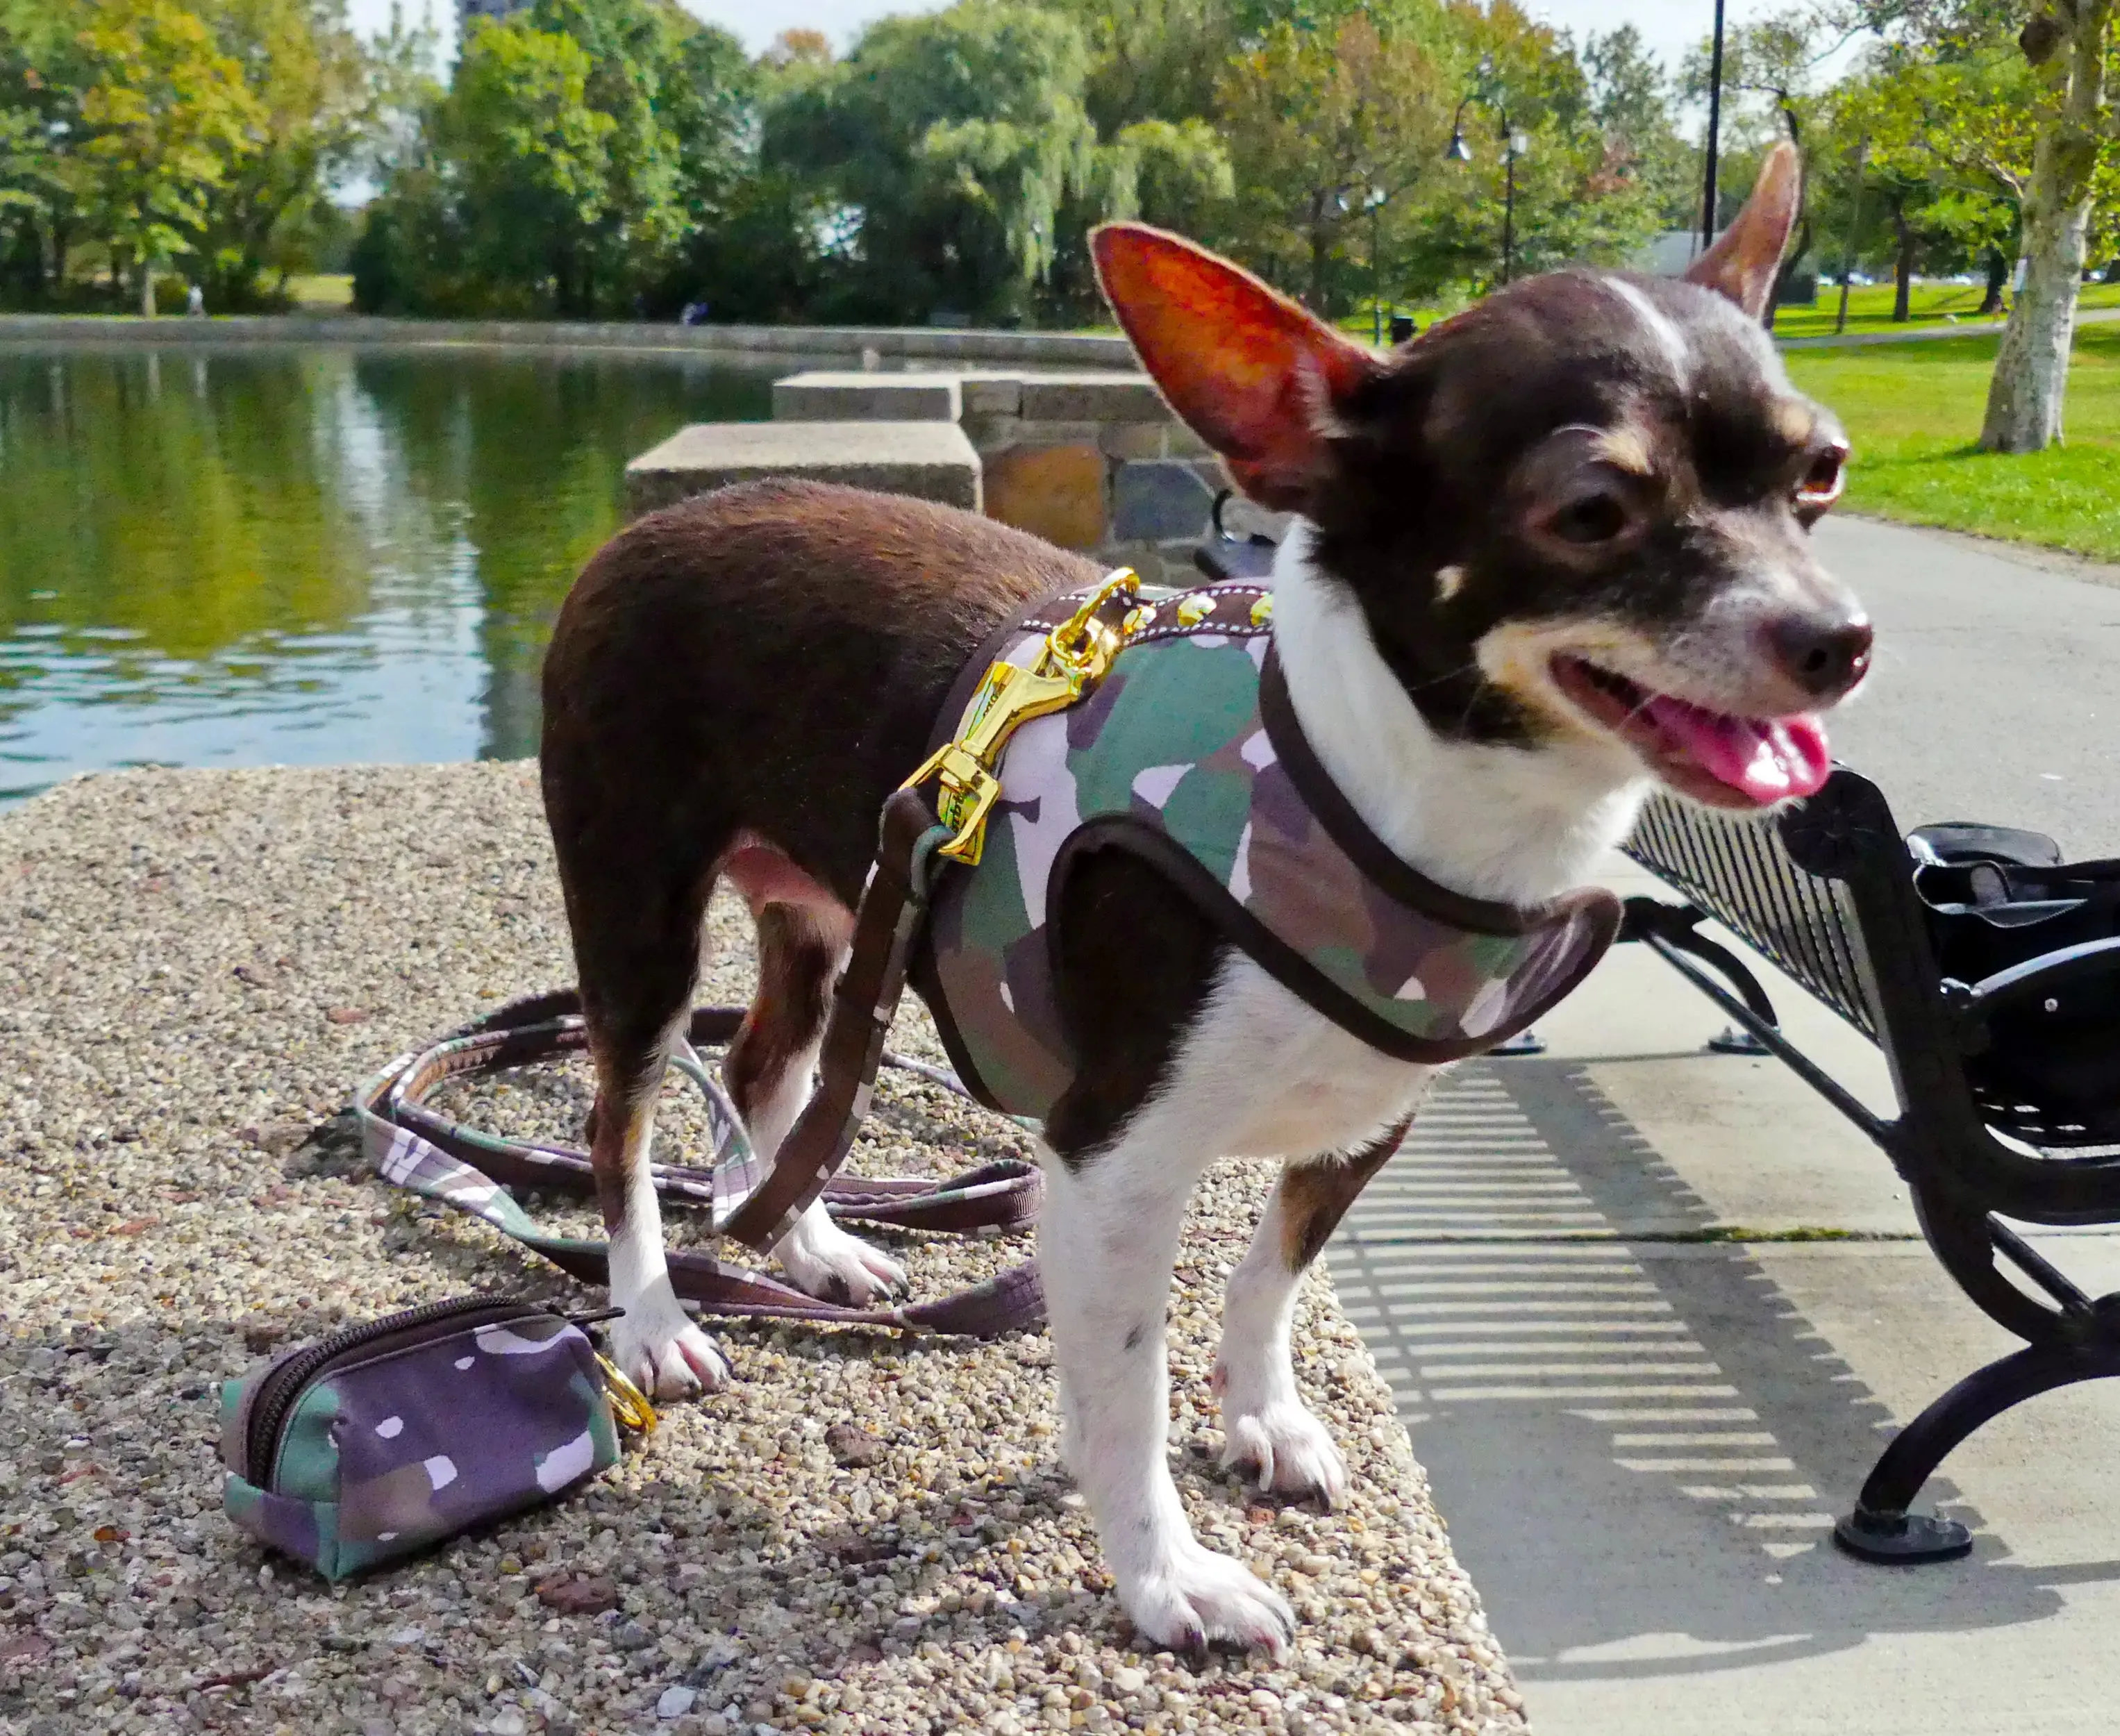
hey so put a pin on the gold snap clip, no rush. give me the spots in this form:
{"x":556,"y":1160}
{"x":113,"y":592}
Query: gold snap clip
{"x":628,"y":1403}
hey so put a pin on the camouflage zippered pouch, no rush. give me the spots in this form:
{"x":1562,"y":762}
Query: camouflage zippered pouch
{"x":388,"y":1436}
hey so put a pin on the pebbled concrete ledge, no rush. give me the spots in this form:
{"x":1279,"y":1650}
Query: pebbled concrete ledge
{"x":931,"y":460}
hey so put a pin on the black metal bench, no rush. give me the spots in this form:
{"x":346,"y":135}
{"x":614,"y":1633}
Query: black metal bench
{"x":1825,"y":891}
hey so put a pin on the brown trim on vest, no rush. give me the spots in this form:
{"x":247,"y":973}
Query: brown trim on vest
{"x":1369,"y":853}
{"x":1279,"y":960}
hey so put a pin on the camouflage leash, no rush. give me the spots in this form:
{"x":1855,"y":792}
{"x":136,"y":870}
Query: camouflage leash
{"x":414,"y":1145}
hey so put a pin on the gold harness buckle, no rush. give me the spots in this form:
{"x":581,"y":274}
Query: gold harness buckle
{"x":1073,"y":660}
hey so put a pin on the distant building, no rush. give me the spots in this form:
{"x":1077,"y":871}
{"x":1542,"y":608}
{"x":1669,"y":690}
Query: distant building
{"x":1668,"y":253}
{"x":470,"y":11}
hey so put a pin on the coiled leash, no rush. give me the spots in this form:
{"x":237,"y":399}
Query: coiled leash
{"x":415,"y":1146}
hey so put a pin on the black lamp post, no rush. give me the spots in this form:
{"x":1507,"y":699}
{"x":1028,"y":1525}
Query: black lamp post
{"x":1377,"y":261}
{"x":1513,"y":145}
{"x":1714,"y":132}
{"x":1373,"y":201}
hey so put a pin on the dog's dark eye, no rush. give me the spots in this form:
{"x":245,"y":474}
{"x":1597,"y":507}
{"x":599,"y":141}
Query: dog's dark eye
{"x":1596,"y":518}
{"x":1820,"y":486}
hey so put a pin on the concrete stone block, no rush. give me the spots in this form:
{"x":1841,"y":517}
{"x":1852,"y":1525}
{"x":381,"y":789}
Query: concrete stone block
{"x":821,"y":396}
{"x":1181,"y":442}
{"x":1088,"y":396}
{"x":1159,"y":501}
{"x":1055,"y":492}
{"x":993,"y":394}
{"x":931,"y":461}
{"x":1134,"y":440}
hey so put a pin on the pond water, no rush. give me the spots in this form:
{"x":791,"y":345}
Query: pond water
{"x":306,"y":554}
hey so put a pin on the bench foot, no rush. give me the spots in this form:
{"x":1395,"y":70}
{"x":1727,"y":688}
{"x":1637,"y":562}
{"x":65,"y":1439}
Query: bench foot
{"x":1736,"y":1040}
{"x":1901,"y":1540}
{"x":1880,"y":1528}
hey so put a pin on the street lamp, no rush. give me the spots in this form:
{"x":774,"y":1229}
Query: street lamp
{"x":1514,"y":145}
{"x":1373,"y":201}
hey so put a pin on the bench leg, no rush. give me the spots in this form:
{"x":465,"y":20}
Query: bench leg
{"x":1880,"y":1528}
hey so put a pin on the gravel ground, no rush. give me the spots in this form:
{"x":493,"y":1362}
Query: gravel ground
{"x":199,"y":966}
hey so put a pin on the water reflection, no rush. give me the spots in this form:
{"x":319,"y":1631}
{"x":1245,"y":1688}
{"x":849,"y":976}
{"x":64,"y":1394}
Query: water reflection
{"x":306,"y":554}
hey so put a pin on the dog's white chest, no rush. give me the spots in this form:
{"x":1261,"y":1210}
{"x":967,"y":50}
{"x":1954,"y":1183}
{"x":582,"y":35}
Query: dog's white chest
{"x":1265,"y":1075}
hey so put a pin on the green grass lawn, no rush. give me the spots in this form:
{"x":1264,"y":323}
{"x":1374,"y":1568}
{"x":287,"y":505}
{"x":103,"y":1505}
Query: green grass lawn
{"x":1869,"y":310}
{"x":322,"y":292}
{"x":1913,"y":413}
{"x":1927,"y":304}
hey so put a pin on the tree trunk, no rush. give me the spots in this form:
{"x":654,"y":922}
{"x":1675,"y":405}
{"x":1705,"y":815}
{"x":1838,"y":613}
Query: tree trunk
{"x":146,"y":288}
{"x":2025,"y":395}
{"x":1903,"y":265}
{"x":1998,"y":274}
{"x":1791,"y":262}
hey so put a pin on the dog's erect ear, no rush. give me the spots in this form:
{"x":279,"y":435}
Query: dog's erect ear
{"x":1251,"y":373}
{"x":1742,"y":263}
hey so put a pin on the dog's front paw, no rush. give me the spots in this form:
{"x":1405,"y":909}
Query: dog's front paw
{"x":1193,"y":1597}
{"x":822,"y":1260}
{"x":661,"y":1351}
{"x":1286,"y":1448}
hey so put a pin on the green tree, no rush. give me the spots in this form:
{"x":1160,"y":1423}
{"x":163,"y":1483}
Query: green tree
{"x":1585,"y":188}
{"x":580,"y":147}
{"x":316,"y":103}
{"x":165,"y":113}
{"x":1328,"y":133}
{"x":530,"y":158}
{"x":41,"y":78}
{"x":948,"y":152}
{"x":1632,"y":101}
{"x":1153,"y":60}
{"x":1772,"y":88}
{"x":2067,"y":49}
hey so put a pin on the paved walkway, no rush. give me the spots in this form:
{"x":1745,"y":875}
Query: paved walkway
{"x":1638,"y":1436}
{"x":1919,"y":334}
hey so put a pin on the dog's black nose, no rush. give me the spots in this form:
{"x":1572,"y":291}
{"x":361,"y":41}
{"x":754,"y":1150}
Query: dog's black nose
{"x":1825,"y":656}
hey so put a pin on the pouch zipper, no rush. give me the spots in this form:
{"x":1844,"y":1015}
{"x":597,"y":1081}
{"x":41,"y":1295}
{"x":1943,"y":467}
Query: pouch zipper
{"x":282,"y":1386}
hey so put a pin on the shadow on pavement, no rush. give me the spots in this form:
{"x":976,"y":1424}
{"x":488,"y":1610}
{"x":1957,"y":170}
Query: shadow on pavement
{"x":1640,"y":1445}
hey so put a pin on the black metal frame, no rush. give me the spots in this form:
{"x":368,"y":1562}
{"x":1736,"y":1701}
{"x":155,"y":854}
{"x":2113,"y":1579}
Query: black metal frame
{"x":1825,"y":892}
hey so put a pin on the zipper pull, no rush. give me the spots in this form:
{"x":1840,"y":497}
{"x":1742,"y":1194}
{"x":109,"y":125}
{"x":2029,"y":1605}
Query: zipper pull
{"x":593,"y":1317}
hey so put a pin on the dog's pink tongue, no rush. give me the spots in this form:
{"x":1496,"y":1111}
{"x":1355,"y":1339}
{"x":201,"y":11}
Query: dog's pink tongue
{"x":1769,"y":759}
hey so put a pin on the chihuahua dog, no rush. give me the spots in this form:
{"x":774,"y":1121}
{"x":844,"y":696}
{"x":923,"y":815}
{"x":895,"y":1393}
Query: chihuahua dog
{"x":1544,"y":557}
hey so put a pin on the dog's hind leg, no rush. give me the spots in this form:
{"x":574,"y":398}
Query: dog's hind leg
{"x":1266,"y":1426}
{"x":802,"y":935}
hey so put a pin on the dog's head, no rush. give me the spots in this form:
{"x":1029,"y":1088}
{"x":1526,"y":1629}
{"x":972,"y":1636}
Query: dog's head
{"x":1578,"y":510}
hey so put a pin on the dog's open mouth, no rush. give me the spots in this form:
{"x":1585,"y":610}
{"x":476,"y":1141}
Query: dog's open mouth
{"x":1726,"y":761}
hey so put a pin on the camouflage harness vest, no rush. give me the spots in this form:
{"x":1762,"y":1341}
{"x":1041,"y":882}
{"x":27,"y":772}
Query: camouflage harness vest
{"x":1189,"y":755}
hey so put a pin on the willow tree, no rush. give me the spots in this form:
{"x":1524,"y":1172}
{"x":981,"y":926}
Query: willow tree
{"x":956,"y":151}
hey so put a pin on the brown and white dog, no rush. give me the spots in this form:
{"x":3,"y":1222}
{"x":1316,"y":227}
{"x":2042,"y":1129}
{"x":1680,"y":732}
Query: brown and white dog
{"x":1546,"y":555}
